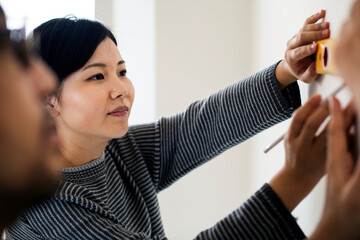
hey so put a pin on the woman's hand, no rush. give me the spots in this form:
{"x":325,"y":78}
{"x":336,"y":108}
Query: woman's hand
{"x":305,"y":154}
{"x":299,"y":62}
{"x":341,"y":216}
{"x":305,"y":151}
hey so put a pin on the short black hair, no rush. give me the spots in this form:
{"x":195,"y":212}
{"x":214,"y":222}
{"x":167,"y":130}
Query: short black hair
{"x":66,"y":44}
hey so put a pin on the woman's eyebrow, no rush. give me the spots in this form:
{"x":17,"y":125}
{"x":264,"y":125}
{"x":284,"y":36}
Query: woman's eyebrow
{"x":94,"y":65}
{"x":101,"y":65}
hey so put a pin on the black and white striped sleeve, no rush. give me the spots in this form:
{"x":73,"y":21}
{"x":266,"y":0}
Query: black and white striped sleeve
{"x":262,"y":216}
{"x":224,"y":119}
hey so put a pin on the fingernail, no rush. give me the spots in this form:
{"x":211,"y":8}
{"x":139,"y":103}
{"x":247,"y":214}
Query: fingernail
{"x":313,"y":45}
{"x":325,"y":32}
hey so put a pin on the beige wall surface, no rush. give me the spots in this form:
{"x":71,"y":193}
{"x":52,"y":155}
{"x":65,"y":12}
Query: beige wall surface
{"x":274,"y":22}
{"x":202,"y":46}
{"x":247,"y":36}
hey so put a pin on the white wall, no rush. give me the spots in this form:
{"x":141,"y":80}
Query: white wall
{"x":246,"y":36}
{"x":274,"y":22}
{"x":133,"y":24}
{"x":36,"y":12}
{"x":202,"y":46}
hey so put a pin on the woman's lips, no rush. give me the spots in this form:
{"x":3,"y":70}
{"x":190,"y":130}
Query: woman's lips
{"x":119,"y":112}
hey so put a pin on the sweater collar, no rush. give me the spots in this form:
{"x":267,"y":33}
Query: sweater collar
{"x":84,"y":173}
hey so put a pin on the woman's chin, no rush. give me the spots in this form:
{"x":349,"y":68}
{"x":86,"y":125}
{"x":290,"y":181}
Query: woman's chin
{"x":118,"y":134}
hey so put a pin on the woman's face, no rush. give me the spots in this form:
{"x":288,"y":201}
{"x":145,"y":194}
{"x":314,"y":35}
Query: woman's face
{"x":96,"y":100}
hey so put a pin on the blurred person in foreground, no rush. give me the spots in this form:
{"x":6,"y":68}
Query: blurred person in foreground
{"x":28,"y":141}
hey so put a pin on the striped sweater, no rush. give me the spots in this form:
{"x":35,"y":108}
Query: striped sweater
{"x":115,"y":196}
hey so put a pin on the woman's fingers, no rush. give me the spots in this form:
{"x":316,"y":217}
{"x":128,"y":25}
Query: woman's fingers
{"x":322,"y":138}
{"x":349,"y":114}
{"x":298,"y":54}
{"x":310,"y":73}
{"x":305,"y":66}
{"x":316,"y":26}
{"x":309,"y":118}
{"x":307,"y":37}
{"x":340,"y":164}
{"x":311,"y":31}
{"x":313,"y":123}
{"x":316,"y":17}
{"x":303,"y":45}
{"x":302,"y":114}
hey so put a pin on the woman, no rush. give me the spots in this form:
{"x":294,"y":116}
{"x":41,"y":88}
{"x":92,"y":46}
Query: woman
{"x":112,"y":173}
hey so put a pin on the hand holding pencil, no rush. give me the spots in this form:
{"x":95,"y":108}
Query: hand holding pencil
{"x":325,"y":100}
{"x":305,"y":154}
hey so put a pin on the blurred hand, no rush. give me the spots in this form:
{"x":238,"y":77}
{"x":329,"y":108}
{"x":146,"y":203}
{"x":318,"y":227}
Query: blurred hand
{"x":299,"y":62}
{"x":341,"y":216}
{"x":305,"y":154}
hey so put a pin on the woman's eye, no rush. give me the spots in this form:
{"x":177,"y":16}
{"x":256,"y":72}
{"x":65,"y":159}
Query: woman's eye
{"x":122,"y":73}
{"x":97,"y":77}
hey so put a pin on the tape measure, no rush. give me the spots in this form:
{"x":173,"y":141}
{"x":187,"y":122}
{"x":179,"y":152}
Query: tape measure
{"x":325,"y":63}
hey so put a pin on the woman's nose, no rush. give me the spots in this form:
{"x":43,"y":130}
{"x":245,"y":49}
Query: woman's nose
{"x":118,"y":89}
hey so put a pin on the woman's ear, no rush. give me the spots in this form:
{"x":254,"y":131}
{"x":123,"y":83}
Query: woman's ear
{"x":51,"y":106}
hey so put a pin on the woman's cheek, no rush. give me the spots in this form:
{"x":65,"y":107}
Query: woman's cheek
{"x":131,"y":93}
{"x":84,"y":111}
